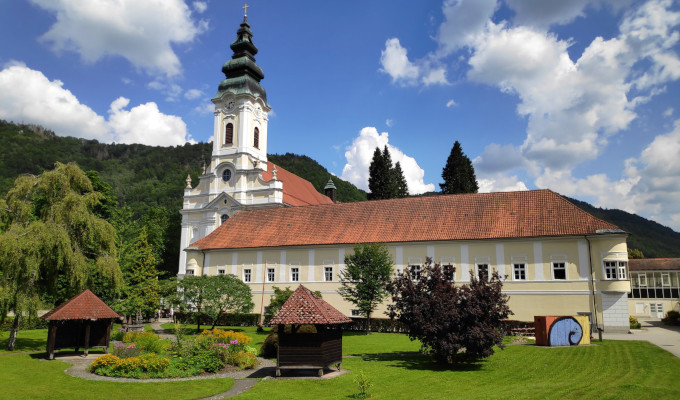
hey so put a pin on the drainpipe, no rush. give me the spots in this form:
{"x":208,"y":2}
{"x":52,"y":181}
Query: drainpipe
{"x":592,"y":286}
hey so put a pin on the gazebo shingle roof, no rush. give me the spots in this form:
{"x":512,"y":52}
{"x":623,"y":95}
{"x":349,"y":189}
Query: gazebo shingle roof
{"x":85,"y":305}
{"x":305,"y":308}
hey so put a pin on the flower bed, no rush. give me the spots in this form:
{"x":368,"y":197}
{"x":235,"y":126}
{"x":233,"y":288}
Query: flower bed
{"x":145,"y":355}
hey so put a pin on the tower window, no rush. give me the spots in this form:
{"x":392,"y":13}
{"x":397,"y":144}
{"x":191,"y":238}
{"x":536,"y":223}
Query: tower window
{"x":229,"y":134}
{"x":223,"y":218}
{"x":256,"y":138}
{"x":226,"y":175}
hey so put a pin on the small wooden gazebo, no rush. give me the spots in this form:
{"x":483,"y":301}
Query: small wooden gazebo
{"x":317,"y":350}
{"x":84,"y":321}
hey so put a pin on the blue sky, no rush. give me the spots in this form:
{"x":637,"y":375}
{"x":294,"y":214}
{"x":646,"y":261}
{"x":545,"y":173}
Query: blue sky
{"x":581,"y":97}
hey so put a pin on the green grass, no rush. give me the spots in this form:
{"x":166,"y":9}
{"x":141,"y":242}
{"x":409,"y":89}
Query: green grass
{"x":30,"y":340}
{"x":26,"y":376}
{"x":607,"y":370}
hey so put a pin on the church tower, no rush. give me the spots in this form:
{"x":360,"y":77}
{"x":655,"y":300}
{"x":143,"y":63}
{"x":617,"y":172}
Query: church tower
{"x":238,"y":177}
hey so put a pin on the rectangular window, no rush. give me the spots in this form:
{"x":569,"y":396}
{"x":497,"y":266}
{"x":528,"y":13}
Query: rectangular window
{"x":415,"y":272}
{"x":519,"y":272}
{"x":328,"y":274}
{"x":665,"y":279}
{"x":220,"y":272}
{"x":622,"y":269}
{"x":483,"y":272}
{"x":449,"y":272}
{"x":247,"y":275}
{"x":355,"y":312}
{"x":295,"y":274}
{"x":559,"y":271}
{"x":271,"y":274}
{"x":190,"y":272}
{"x":642,"y":279}
{"x":610,"y":269}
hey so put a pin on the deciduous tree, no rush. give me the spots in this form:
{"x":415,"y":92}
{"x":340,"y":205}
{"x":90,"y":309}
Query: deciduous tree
{"x":214,"y":295}
{"x":49,"y":233}
{"x":453,"y":323}
{"x":364,"y":280}
{"x":458,"y":174}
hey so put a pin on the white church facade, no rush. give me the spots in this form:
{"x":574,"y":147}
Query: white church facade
{"x":255,"y":220}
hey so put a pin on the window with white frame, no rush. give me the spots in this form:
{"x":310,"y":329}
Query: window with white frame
{"x":355,"y":312}
{"x":665,"y":279}
{"x":559,"y":270}
{"x":247,"y":275}
{"x":449,"y":272}
{"x":271,"y":274}
{"x":642,"y":279}
{"x":483,"y":272}
{"x":615,"y":269}
{"x":328,"y":274}
{"x":190,"y":272}
{"x":519,"y":272}
{"x":221,"y":271}
{"x":415,"y":271}
{"x":295,"y":274}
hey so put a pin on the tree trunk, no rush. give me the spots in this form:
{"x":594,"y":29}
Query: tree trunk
{"x":13,"y":333}
{"x":368,"y":322}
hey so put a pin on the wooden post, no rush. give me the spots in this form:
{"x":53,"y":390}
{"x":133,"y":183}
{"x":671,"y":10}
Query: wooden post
{"x":108,"y":337}
{"x":51,"y":339}
{"x":87,"y":336}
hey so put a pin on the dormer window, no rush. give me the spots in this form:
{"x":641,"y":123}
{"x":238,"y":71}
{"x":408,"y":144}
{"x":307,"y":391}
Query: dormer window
{"x":229,"y":134}
{"x":224,"y":218}
{"x":256,"y":138}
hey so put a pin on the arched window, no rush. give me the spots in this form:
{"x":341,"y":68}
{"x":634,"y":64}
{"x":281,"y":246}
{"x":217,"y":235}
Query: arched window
{"x":229,"y":134}
{"x":256,"y":138}
{"x":223,"y":218}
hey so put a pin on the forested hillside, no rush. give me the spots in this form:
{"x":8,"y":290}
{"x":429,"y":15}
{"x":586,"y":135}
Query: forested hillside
{"x":147,"y":179}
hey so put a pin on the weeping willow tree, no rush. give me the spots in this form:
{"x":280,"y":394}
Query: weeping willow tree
{"x":52,"y":245}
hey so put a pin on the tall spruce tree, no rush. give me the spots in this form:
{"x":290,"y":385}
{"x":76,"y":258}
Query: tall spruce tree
{"x":400,"y":187}
{"x":384,"y":180}
{"x":458,"y":174}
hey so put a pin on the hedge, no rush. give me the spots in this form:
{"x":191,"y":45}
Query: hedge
{"x":377,"y":325}
{"x":226,"y":319}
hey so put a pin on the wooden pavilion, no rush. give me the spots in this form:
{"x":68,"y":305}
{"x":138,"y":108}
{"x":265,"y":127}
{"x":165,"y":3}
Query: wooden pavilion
{"x":84,"y":321}
{"x":298,"y":350}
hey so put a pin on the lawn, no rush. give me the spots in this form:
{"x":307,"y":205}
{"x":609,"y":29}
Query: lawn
{"x":606,"y":370}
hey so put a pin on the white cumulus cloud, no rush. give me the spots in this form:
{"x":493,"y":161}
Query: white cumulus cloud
{"x":142,"y":32}
{"x":360,"y":153}
{"x":29,"y":96}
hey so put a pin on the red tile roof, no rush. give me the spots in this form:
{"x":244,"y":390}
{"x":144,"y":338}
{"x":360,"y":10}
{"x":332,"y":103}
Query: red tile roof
{"x":525,"y":214}
{"x":86,"y":305}
{"x":304,"y":307}
{"x":654,"y":264}
{"x":296,"y":191}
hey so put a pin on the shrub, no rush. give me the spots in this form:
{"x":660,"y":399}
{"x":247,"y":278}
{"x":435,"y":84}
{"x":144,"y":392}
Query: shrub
{"x":363,"y":385}
{"x":244,"y":360}
{"x":105,"y":361}
{"x":152,"y":363}
{"x":208,"y":360}
{"x":118,"y":334}
{"x":634,"y":324}
{"x":672,"y":318}
{"x":123,"y":350}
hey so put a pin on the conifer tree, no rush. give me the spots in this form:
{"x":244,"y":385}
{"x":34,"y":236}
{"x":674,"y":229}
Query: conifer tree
{"x":384,"y":180}
{"x":458,"y":174}
{"x":399,"y":181}
{"x":379,"y":175}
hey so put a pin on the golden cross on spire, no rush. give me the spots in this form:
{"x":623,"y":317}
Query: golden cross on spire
{"x":245,"y":10}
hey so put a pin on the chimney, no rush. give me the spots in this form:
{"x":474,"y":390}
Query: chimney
{"x":331,"y":191}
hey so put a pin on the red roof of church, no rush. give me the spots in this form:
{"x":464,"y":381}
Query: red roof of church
{"x":304,"y":307}
{"x":296,"y":191}
{"x":85,"y":305}
{"x":654,"y":264}
{"x":524,"y":214}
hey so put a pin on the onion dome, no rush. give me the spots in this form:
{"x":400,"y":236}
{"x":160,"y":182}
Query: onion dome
{"x":243,"y":75}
